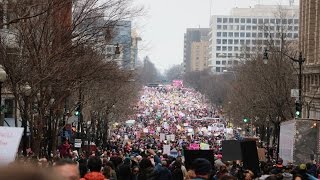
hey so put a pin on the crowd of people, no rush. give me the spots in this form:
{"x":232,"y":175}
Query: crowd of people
{"x":151,"y":145}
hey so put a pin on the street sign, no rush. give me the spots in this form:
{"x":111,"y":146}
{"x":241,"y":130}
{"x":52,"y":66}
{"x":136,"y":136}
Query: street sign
{"x":77,"y":143}
{"x":295,"y":93}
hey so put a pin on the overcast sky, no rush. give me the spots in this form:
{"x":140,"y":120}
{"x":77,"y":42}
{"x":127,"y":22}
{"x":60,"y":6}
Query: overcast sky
{"x":163,"y":27}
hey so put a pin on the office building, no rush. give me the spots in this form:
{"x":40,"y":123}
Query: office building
{"x":199,"y":55}
{"x":234,"y":36}
{"x":309,"y":43}
{"x":193,"y":35}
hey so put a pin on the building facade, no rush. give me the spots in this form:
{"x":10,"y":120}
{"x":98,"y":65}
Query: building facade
{"x":192,"y":35}
{"x":199,"y":55}
{"x":309,"y":43}
{"x":233,"y":36}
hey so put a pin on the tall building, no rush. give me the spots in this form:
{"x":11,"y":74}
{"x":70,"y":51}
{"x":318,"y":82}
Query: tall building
{"x":199,"y":55}
{"x":309,"y":43}
{"x":192,"y":35}
{"x":122,"y":37}
{"x":232,"y":35}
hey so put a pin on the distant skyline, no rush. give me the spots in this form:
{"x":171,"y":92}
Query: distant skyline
{"x":166,"y":21}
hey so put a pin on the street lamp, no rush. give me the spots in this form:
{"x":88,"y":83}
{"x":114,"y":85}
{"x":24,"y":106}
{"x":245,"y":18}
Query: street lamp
{"x":3,"y":77}
{"x":51,"y":102}
{"x":27,"y":92}
{"x":300,"y":60}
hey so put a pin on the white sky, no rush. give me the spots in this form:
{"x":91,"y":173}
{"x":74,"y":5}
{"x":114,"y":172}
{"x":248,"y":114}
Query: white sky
{"x":163,"y":27}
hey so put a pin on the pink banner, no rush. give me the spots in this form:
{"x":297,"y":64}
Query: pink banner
{"x":194,"y":146}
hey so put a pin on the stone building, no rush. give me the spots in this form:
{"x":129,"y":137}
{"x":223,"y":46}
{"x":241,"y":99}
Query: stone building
{"x":309,"y":38}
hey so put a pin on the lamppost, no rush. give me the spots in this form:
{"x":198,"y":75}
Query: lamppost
{"x":27,"y":92}
{"x":300,"y":60}
{"x":3,"y":77}
{"x":50,"y":119}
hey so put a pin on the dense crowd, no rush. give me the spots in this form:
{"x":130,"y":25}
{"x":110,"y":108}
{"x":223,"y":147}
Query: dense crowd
{"x":151,"y":146}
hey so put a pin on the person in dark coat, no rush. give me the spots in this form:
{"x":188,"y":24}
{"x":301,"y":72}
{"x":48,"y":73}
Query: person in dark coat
{"x":147,"y":170}
{"x":124,"y":170}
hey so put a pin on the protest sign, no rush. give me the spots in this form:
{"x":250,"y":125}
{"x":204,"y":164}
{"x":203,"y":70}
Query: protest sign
{"x":166,"y":149}
{"x":168,"y":137}
{"x":204,"y":146}
{"x":9,"y":142}
{"x":162,"y":137}
{"x":172,"y":138}
{"x":194,"y":146}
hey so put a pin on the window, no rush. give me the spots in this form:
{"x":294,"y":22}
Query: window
{"x":247,"y":48}
{"x":271,"y":35}
{"x":242,"y":42}
{"x":271,"y":28}
{"x":242,"y":27}
{"x":223,"y":62}
{"x":230,"y":27}
{"x":225,"y":20}
{"x":242,"y":34}
{"x":254,"y":42}
{"x":217,"y":55}
{"x":230,"y":41}
{"x":290,"y":28}
{"x":290,"y":21}
{"x":254,"y":34}
{"x":230,"y":20}
{"x":218,"y":34}
{"x":296,"y":28}
{"x":249,"y":28}
{"x":224,"y":48}
{"x":225,"y":27}
{"x":241,"y":55}
{"x":229,"y":62}
{"x":218,"y":41}
{"x":254,"y":28}
{"x":9,"y":106}
{"x":218,"y":62}
{"x":236,"y":20}
{"x":248,"y":34}
{"x":248,"y":42}
{"x":236,"y":41}
{"x":260,"y":35}
{"x":272,"y":21}
{"x":224,"y":41}
{"x":296,"y":21}
{"x":254,"y":21}
{"x":266,"y":21}
{"x":295,"y":35}
{"x":217,"y":69}
{"x":254,"y":48}
{"x":229,"y":54}
{"x":236,"y":48}
{"x":260,"y":21}
{"x":230,"y":34}
{"x":247,"y":55}
{"x":225,"y":34}
{"x":236,"y":34}
{"x":243,"y":20}
{"x":219,"y":20}
{"x":235,"y":62}
{"x":229,"y":48}
{"x":289,"y":35}
{"x":248,"y":20}
{"x":219,"y":27}
{"x":284,"y":21}
{"x":278,"y":21}
{"x":236,"y":27}
{"x":218,"y":48}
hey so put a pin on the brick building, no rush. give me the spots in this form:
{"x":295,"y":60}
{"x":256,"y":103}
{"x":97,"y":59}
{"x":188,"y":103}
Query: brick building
{"x":309,"y":39}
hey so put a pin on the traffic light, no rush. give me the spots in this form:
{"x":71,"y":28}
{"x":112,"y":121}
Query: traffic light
{"x":245,"y":120}
{"x":298,"y":109}
{"x":77,"y":110}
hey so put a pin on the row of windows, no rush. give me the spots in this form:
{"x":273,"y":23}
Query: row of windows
{"x":230,"y":55}
{"x":260,"y":35}
{"x":220,"y":69}
{"x":235,"y":48}
{"x":223,"y":62}
{"x":246,"y":41}
{"x":258,"y":20}
{"x":254,"y":28}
